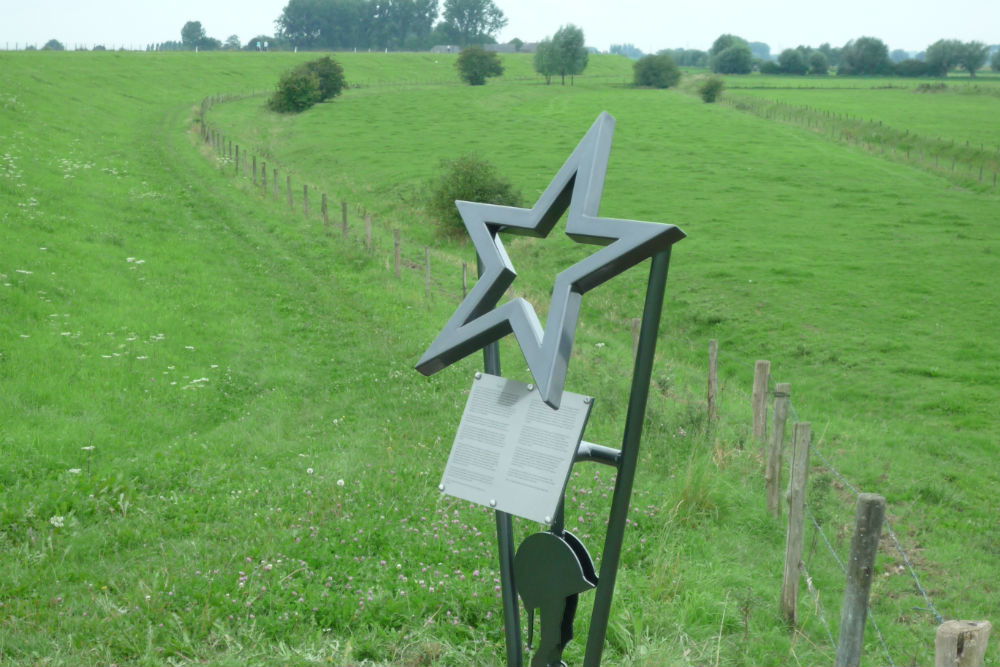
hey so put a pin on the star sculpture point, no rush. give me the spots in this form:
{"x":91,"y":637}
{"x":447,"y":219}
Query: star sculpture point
{"x":577,"y":186}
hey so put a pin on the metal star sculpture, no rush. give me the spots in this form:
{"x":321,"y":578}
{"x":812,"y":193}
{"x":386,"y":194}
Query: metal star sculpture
{"x":577,"y":186}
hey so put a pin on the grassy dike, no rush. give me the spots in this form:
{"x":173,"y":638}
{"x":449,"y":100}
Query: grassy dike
{"x":216,"y":448}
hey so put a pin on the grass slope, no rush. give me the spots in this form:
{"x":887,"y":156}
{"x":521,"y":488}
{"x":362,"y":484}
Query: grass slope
{"x":211,"y":457}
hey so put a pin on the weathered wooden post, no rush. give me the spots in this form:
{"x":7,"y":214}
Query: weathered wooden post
{"x":263,"y":178}
{"x":758,"y":399}
{"x":255,"y":170}
{"x":274,"y":184}
{"x":796,"y":521}
{"x":395,"y":246}
{"x":237,"y":163}
{"x":961,"y":643}
{"x":305,"y":200}
{"x":772,"y":470}
{"x":860,"y":570}
{"x":343,"y":219}
{"x":713,"y":380}
{"x":465,"y":269}
{"x":326,"y":219}
{"x":288,"y":188}
{"x":368,"y":239}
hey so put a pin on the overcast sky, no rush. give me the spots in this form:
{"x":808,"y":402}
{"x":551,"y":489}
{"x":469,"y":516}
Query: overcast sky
{"x":649,"y":24}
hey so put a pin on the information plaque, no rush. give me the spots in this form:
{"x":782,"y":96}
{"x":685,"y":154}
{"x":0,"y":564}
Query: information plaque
{"x":513,"y":452}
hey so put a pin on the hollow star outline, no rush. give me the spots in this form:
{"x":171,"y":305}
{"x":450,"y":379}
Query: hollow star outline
{"x":478,"y":321}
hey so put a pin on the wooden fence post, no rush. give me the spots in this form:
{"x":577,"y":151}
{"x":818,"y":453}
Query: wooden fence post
{"x":427,"y":272}
{"x":465,"y":270}
{"x":961,"y":643}
{"x":796,"y":520}
{"x":255,"y":170}
{"x":326,"y":219}
{"x":368,"y":240}
{"x":244,"y":164}
{"x":237,"y":159}
{"x":395,"y":245}
{"x":713,"y":379}
{"x":274,"y":183}
{"x":761,"y":372}
{"x":772,"y":470}
{"x":343,"y":219}
{"x":288,"y":187}
{"x":860,"y":569}
{"x":263,"y":178}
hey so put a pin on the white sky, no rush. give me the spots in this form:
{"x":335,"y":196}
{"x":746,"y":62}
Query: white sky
{"x":649,"y":24}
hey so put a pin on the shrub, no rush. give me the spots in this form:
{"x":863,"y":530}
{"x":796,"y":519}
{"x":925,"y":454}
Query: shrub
{"x":710,"y":89}
{"x":657,"y":71}
{"x":913,"y":68}
{"x":818,"y":63}
{"x":330,"y":75}
{"x":309,"y":83}
{"x":469,"y":178}
{"x":475,"y":65}
{"x":297,"y":90}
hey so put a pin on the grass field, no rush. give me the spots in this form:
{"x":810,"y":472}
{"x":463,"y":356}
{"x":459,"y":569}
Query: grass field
{"x":216,"y":448}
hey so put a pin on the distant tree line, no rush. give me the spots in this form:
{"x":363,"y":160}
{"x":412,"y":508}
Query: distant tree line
{"x":410,"y":25}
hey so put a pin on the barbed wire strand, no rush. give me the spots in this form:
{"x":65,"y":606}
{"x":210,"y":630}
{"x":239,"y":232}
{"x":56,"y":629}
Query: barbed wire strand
{"x":843,"y":569}
{"x":888,"y":526}
{"x":819,"y":607}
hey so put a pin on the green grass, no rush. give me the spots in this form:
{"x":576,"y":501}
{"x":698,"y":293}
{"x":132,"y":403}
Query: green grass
{"x":230,"y":362}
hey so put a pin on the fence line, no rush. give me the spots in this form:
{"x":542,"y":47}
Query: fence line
{"x":982,"y":164}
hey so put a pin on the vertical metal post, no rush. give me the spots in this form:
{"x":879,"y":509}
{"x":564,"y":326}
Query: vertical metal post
{"x":505,"y":539}
{"x":641,"y":376}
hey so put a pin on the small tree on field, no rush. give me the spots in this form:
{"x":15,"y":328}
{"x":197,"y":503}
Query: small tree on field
{"x":734,"y":60}
{"x":475,"y":65}
{"x":865,"y":56}
{"x":657,"y":71}
{"x":973,"y":56}
{"x":569,"y":53}
{"x":792,"y":61}
{"x":544,"y":60}
{"x":330,"y":75}
{"x":710,"y":89}
{"x":298,"y":89}
{"x":53,"y":45}
{"x":306,"y":85}
{"x":468,"y":178}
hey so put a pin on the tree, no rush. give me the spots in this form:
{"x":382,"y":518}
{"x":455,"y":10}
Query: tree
{"x":942,"y":56}
{"x":760,"y":50}
{"x":326,"y":24}
{"x":791,"y":61}
{"x":192,"y":34}
{"x":306,"y":85}
{"x":655,"y":71}
{"x":687,"y":57}
{"x":472,"y":20}
{"x":911,"y":67}
{"x":736,"y":59}
{"x":53,"y":45}
{"x":297,"y":90}
{"x":233,"y":43}
{"x":898,"y":55}
{"x":818,"y":63}
{"x":865,"y":56}
{"x":475,"y":65}
{"x":570,"y":56}
{"x":973,"y":56}
{"x":995,"y":61}
{"x":723,"y":42}
{"x":544,"y":60}
{"x":329,"y":76}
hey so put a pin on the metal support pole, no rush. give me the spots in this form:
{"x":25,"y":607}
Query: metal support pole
{"x":505,"y":540}
{"x":641,"y":376}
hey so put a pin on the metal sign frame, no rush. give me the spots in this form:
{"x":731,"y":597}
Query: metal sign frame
{"x":478,"y":324}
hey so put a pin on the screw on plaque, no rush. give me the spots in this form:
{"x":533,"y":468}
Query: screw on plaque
{"x":551,"y":571}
